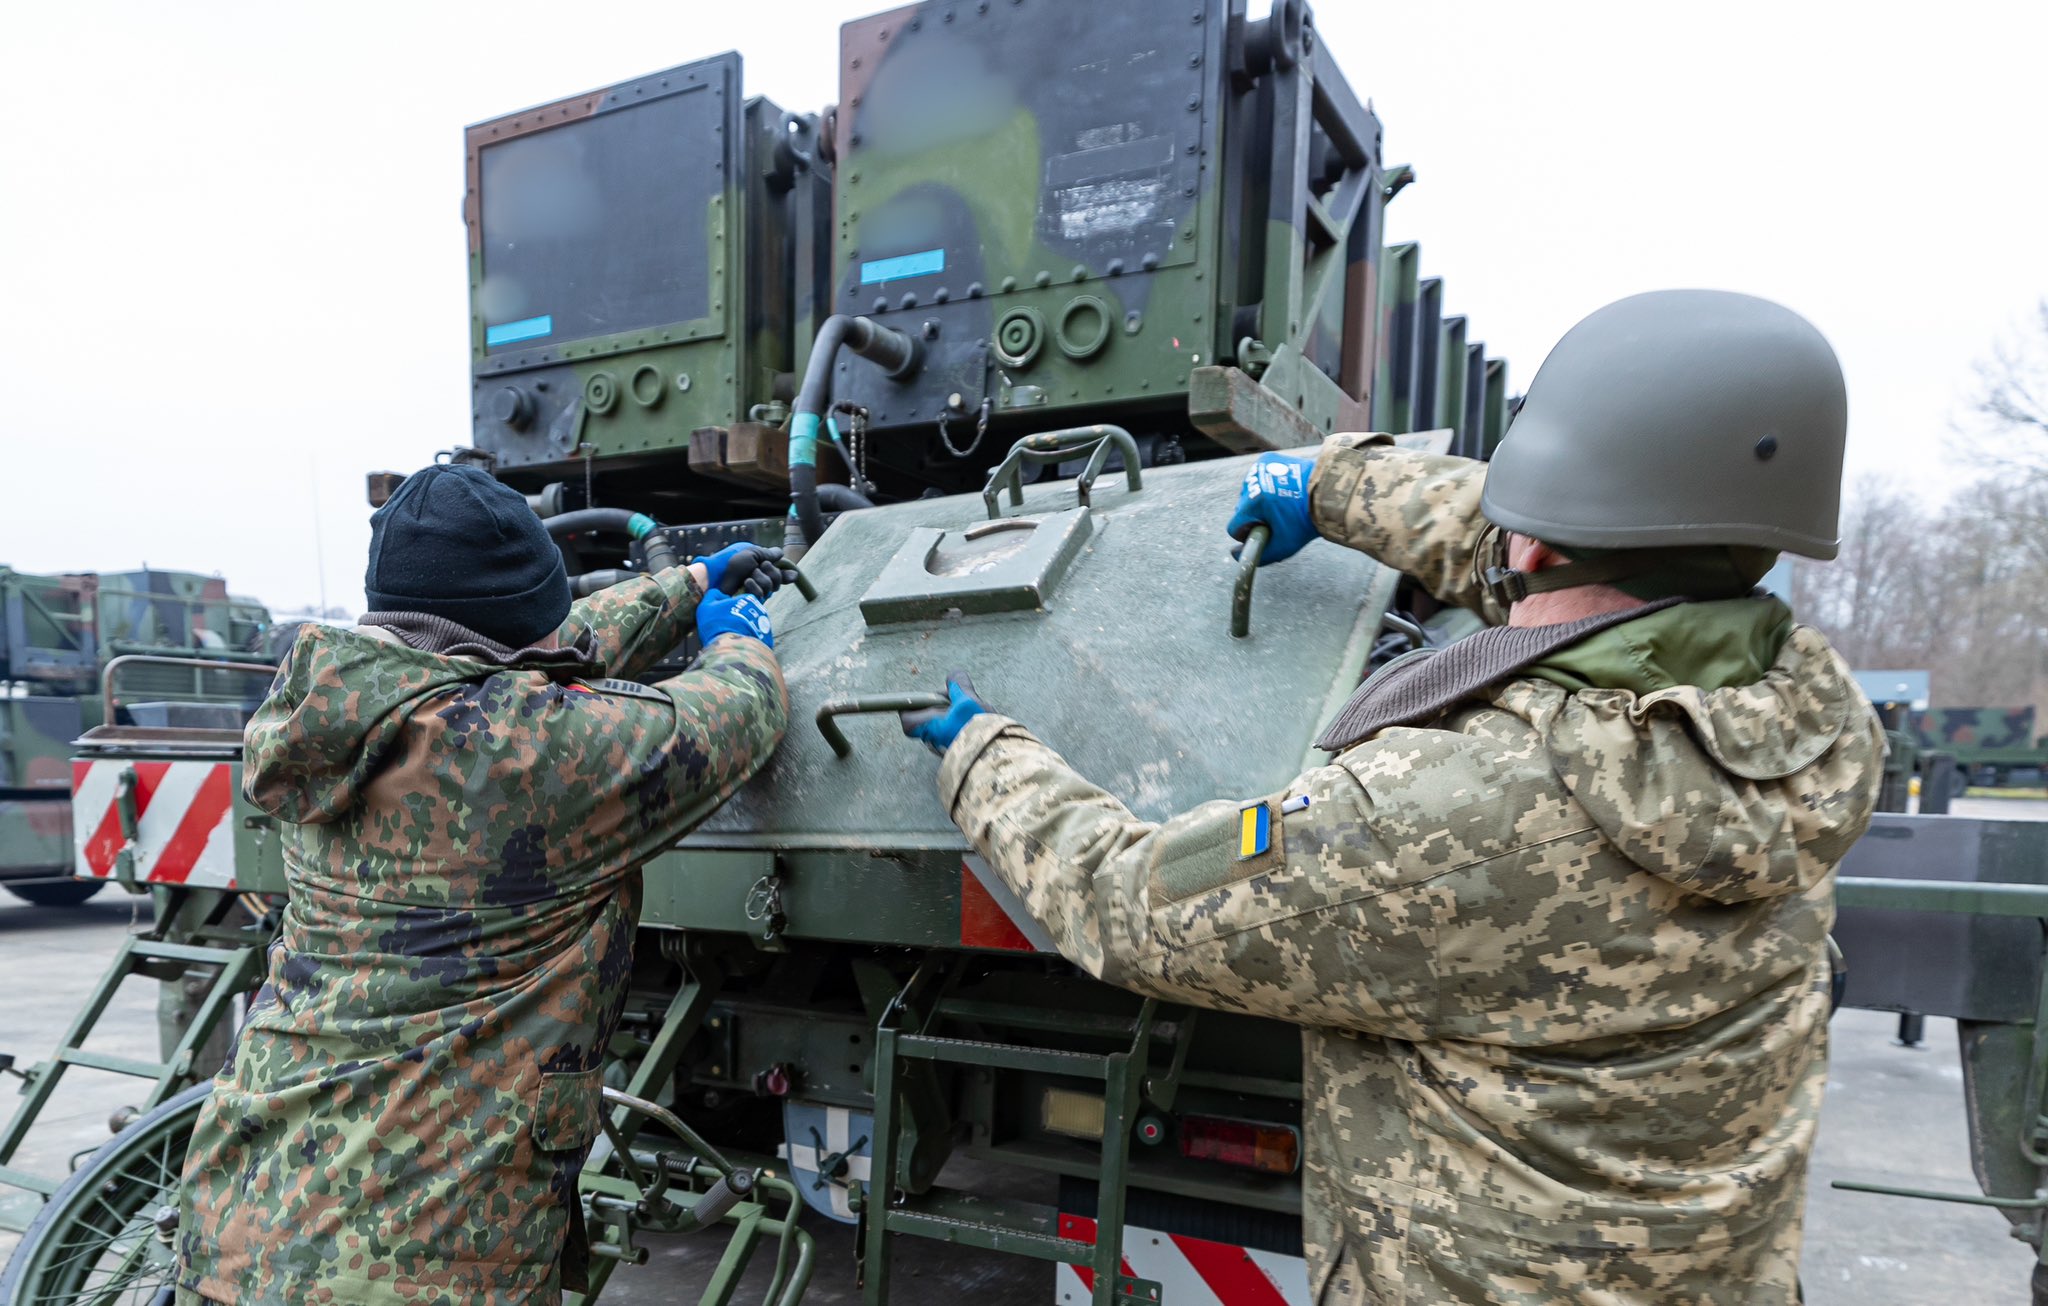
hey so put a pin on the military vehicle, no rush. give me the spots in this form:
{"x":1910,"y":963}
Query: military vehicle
{"x":57,"y":635}
{"x":992,"y":340}
{"x":1992,"y":745}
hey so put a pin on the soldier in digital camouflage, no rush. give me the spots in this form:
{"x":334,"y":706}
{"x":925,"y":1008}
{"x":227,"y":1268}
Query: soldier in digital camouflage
{"x":1554,"y":915}
{"x":466,"y":801}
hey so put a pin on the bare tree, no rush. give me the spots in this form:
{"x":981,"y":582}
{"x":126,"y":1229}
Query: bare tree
{"x":1960,"y":591}
{"x":2010,"y":415}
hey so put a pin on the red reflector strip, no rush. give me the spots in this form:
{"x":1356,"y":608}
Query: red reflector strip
{"x":983,"y":922}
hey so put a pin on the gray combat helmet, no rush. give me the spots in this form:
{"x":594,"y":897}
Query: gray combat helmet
{"x":1671,"y":420}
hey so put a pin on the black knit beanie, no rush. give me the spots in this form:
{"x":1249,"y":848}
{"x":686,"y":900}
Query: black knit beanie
{"x":456,"y":543}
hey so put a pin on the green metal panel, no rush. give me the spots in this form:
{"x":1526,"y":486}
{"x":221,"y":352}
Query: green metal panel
{"x":1493,"y":421}
{"x":1393,"y":396}
{"x":681,"y":230}
{"x":1452,"y":361}
{"x":1167,"y":711}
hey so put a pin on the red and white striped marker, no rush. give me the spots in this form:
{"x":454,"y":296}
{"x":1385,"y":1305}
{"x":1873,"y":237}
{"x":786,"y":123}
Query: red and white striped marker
{"x":1189,"y":1271}
{"x":182,"y":831}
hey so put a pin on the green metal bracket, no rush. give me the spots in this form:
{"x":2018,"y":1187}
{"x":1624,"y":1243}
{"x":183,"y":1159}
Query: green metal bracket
{"x":1058,"y":446}
{"x":1011,"y":564}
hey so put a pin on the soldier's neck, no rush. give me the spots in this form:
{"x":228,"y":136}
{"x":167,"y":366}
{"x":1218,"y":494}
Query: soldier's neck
{"x":1574,"y":604}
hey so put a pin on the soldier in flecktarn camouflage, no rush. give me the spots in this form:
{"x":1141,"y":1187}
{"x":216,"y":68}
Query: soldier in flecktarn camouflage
{"x":466,"y":802}
{"x":1554,"y":915}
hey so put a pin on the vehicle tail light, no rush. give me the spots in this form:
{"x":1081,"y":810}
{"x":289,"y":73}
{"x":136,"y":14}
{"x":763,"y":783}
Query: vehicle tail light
{"x":1247,"y":1144}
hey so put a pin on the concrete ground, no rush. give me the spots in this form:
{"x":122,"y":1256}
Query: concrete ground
{"x":1893,"y":1116}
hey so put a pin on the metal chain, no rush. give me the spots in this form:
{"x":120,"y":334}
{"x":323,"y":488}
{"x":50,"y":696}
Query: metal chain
{"x":860,"y":449}
{"x":855,"y":448}
{"x":980,"y":430}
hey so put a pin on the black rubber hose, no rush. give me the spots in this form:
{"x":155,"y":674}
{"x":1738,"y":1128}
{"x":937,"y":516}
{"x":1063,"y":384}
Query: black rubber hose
{"x":654,"y":549}
{"x":842,"y":498}
{"x":590,"y":582}
{"x":614,"y":521}
{"x":892,"y":351}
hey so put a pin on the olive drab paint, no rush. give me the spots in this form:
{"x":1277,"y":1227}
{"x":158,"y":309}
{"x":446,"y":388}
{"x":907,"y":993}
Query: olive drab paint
{"x":1185,"y":239}
{"x":1072,"y":233}
{"x":644,"y":265}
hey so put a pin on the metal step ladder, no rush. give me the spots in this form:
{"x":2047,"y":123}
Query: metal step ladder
{"x":237,"y":955}
{"x":904,"y":1042}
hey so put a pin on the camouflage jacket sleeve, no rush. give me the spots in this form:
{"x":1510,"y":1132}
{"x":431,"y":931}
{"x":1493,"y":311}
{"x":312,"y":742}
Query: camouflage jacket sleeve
{"x":731,"y":711}
{"x":638,"y":623}
{"x":1416,"y":512}
{"x":730,"y":708}
{"x":1304,"y":925}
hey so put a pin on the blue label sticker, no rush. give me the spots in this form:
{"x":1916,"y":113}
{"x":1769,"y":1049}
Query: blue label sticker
{"x":921,"y":264}
{"x":526,"y":328}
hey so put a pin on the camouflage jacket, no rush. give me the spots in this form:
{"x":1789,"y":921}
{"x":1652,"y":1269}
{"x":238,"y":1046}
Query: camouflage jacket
{"x":1560,"y":959}
{"x":417,"y":1084}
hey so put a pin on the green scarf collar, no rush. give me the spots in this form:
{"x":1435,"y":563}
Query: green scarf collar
{"x":1714,"y":645}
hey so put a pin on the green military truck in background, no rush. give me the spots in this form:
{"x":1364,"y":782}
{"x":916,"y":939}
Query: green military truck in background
{"x":57,"y":636}
{"x":1992,"y":746}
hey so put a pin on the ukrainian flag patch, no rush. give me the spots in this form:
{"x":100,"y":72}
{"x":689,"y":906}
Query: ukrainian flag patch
{"x":1254,"y":831}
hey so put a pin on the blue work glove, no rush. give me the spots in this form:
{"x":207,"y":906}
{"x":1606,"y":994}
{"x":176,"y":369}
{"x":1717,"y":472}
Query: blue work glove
{"x":762,"y":566}
{"x":1275,"y":494}
{"x":719,"y":613}
{"x":940,"y":726}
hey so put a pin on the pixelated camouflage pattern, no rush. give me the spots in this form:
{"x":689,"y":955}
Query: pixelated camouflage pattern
{"x":1560,"y":961}
{"x":417,"y":1085}
{"x":1416,"y":512}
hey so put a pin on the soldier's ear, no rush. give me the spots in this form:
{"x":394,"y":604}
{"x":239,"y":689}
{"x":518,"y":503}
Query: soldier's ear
{"x":1527,"y":555}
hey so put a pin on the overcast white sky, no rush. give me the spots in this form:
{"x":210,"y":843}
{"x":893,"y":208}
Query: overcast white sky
{"x":232,"y":263}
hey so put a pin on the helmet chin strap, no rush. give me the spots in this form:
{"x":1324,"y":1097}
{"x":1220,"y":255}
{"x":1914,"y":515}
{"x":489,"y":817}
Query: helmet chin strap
{"x":1490,"y":570}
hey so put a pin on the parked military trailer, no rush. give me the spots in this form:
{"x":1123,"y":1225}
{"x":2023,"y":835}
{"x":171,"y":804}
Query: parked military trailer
{"x":57,"y":634}
{"x":1992,"y":745}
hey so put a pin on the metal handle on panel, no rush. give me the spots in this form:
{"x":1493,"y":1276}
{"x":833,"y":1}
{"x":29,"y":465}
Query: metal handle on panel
{"x":802,"y":583}
{"x":1057,"y":446}
{"x":1248,"y":569}
{"x":869,"y":703}
{"x":1400,"y":625}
